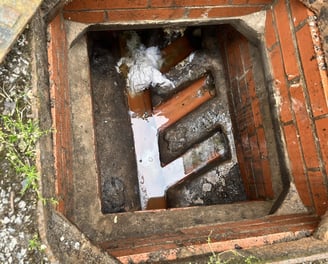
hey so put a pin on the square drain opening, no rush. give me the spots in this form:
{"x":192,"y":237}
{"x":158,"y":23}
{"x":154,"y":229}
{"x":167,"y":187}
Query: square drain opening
{"x":104,"y":193}
{"x":176,"y":123}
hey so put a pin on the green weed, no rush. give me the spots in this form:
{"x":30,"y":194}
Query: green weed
{"x":18,"y":138}
{"x":35,"y":244}
{"x":216,"y":258}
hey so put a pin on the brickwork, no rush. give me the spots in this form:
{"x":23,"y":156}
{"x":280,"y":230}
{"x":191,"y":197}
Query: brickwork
{"x":247,"y":117}
{"x":194,"y":241}
{"x":300,"y":82}
{"x":140,"y":10}
{"x":60,"y":110}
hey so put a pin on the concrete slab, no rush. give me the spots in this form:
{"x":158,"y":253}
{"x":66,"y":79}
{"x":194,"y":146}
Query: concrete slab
{"x":14,"y":15}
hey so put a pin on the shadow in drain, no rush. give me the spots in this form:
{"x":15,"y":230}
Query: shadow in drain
{"x":162,"y":121}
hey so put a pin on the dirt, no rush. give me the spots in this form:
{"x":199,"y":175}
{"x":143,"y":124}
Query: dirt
{"x":215,"y":187}
{"x":115,"y":151}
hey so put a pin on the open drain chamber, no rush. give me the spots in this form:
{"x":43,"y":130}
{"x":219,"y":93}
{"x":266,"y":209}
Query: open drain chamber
{"x":198,"y":144}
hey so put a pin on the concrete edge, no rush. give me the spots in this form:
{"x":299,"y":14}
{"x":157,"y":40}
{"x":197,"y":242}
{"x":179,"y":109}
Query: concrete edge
{"x":53,"y":227}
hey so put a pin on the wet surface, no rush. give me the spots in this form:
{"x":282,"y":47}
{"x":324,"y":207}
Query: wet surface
{"x":179,"y":145}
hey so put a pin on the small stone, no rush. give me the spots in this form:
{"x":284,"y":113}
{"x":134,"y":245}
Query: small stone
{"x":21,"y":205}
{"x":207,"y":187}
{"x":9,"y":108}
{"x":18,"y":220}
{"x":43,"y":247}
{"x":6,"y":220}
{"x":212,"y":178}
{"x":198,"y":201}
{"x":22,"y":253}
{"x":322,"y":230}
{"x":77,"y":245}
{"x":12,"y":244}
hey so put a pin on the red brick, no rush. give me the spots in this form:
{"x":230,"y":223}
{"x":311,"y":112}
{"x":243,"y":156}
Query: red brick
{"x":263,"y":223}
{"x":259,"y":2}
{"x":57,"y":57}
{"x":249,"y":121}
{"x":259,"y":182}
{"x":296,"y":164}
{"x":86,"y":17}
{"x":145,"y":14}
{"x":87,"y":5}
{"x":219,"y":12}
{"x":286,"y":40}
{"x":299,"y":11}
{"x":270,"y":33}
{"x":183,"y":102}
{"x":186,"y":3}
{"x":304,"y":127}
{"x":255,"y":148}
{"x":243,"y":91}
{"x":266,"y":223}
{"x":242,"y":168}
{"x":256,"y":166}
{"x":234,"y":57}
{"x":280,"y":86}
{"x":175,"y":52}
{"x":319,"y":191}
{"x":235,"y":92}
{"x":253,"y":192}
{"x":251,"y":127}
{"x":314,"y":81}
{"x":244,"y":51}
{"x":262,"y":143}
{"x":140,"y":103}
{"x":250,"y":178}
{"x":250,"y":84}
{"x":322,"y":131}
{"x":253,"y":238}
{"x":239,"y":2}
{"x":267,"y":178}
{"x":249,"y":174}
{"x":256,"y":112}
{"x":245,"y":144}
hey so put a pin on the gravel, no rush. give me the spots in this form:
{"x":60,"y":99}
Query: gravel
{"x":19,"y":240}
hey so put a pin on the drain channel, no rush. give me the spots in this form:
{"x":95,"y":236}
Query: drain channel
{"x":180,"y":124}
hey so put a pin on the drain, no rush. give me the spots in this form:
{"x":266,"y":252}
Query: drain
{"x":179,"y":134}
{"x":180,"y":130}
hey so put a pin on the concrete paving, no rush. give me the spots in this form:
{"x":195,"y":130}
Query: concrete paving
{"x":14,"y":15}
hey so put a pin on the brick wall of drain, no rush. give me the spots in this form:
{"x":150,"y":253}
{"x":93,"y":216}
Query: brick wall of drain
{"x":296,"y":79}
{"x":227,"y":125}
